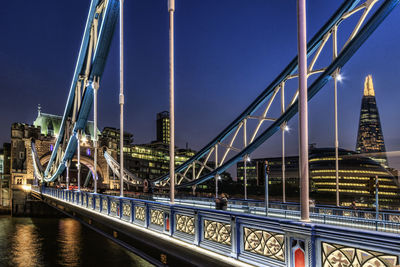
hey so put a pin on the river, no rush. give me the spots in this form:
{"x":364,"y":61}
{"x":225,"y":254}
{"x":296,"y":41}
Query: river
{"x":31,"y":242}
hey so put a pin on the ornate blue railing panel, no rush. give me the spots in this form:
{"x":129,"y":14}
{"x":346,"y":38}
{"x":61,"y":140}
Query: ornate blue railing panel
{"x":126,"y":207}
{"x":258,"y":240}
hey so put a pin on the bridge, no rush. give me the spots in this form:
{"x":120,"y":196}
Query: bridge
{"x":247,"y":233}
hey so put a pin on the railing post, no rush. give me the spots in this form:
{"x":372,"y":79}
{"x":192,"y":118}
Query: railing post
{"x":120,"y":208}
{"x":301,"y":247}
{"x":108,"y":206}
{"x":147,"y":215}
{"x":197,"y":228}
{"x":132,"y":211}
{"x":100,"y":203}
{"x":235,"y":237}
{"x":169,"y":220}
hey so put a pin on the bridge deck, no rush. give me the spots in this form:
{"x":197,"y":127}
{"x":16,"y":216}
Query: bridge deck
{"x":236,"y":238}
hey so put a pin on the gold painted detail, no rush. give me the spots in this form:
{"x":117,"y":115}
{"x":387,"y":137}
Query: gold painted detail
{"x":394,"y":218}
{"x":113,"y":207}
{"x":185,"y":224}
{"x":345,"y":256}
{"x":97,"y":203}
{"x":217,"y":232}
{"x":105,"y":204}
{"x":126,"y":210}
{"x":371,"y":216}
{"x":325,"y":211}
{"x":84,"y":200}
{"x":269,"y":244}
{"x":139,"y":213}
{"x":157,"y":217}
{"x":90,"y":202}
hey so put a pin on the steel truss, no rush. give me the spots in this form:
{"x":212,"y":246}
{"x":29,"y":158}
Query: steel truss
{"x":128,"y":178}
{"x":89,"y":68}
{"x":202,"y":169}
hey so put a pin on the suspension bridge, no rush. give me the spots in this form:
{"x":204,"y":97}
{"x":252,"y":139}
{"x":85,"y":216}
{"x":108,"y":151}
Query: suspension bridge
{"x":247,"y":233}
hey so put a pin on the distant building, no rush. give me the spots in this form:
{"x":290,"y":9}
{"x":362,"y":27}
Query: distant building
{"x":150,"y":161}
{"x":370,"y":135}
{"x":6,"y":158}
{"x":147,"y":161}
{"x":356,"y":177}
{"x":110,"y":137}
{"x":163,"y":127}
{"x":44,"y":132}
{"x":50,"y":124}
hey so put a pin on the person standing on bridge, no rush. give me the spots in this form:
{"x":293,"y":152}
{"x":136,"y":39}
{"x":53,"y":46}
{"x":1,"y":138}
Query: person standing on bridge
{"x":224,"y":201}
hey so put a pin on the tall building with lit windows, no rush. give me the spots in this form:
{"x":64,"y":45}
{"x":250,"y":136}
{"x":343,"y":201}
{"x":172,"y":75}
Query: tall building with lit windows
{"x":163,"y":127}
{"x":370,"y":135}
{"x":356,"y":178}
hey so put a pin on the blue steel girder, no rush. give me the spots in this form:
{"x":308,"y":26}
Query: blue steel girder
{"x":348,"y":50}
{"x":115,"y":167}
{"x":89,"y":68}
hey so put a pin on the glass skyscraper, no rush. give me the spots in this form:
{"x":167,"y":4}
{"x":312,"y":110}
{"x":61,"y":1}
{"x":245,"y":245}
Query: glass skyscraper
{"x":370,"y":136}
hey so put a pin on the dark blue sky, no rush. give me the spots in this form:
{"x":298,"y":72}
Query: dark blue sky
{"x":227,"y":52}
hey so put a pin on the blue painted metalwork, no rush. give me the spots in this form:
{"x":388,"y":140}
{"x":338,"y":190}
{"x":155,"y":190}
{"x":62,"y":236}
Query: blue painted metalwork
{"x":107,"y":25}
{"x":78,"y":71}
{"x":266,"y":94}
{"x":258,"y":240}
{"x":315,"y":87}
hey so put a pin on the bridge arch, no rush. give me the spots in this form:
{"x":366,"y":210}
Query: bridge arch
{"x":87,"y":161}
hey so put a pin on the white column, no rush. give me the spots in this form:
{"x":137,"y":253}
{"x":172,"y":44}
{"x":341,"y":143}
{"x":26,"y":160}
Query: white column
{"x":245,"y":157}
{"x":95,"y":136}
{"x":121,"y":94}
{"x":303,"y":111}
{"x":283,"y":128}
{"x":78,"y":152}
{"x":245,"y":177}
{"x":216,"y":175}
{"x":67,"y":179}
{"x":334,"y":34}
{"x":171,"y":10}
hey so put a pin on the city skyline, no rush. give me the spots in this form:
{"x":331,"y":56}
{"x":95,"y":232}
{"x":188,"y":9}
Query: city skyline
{"x":223,"y":67}
{"x":185,"y":137}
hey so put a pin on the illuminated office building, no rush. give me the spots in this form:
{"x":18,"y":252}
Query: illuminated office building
{"x":356,"y":177}
{"x":151,"y":160}
{"x":163,"y":127}
{"x":370,"y":135}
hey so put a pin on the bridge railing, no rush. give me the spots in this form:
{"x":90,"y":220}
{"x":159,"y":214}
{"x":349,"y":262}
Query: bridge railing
{"x":258,"y":207}
{"x":259,"y":240}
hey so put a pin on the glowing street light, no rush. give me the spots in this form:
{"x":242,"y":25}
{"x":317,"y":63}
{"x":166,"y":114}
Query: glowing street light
{"x":286,"y":128}
{"x":339,"y":77}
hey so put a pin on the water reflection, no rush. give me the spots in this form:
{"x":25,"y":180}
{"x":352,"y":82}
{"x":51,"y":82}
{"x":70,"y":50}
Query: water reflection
{"x":26,"y":246}
{"x":26,"y":242}
{"x":69,"y":240}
